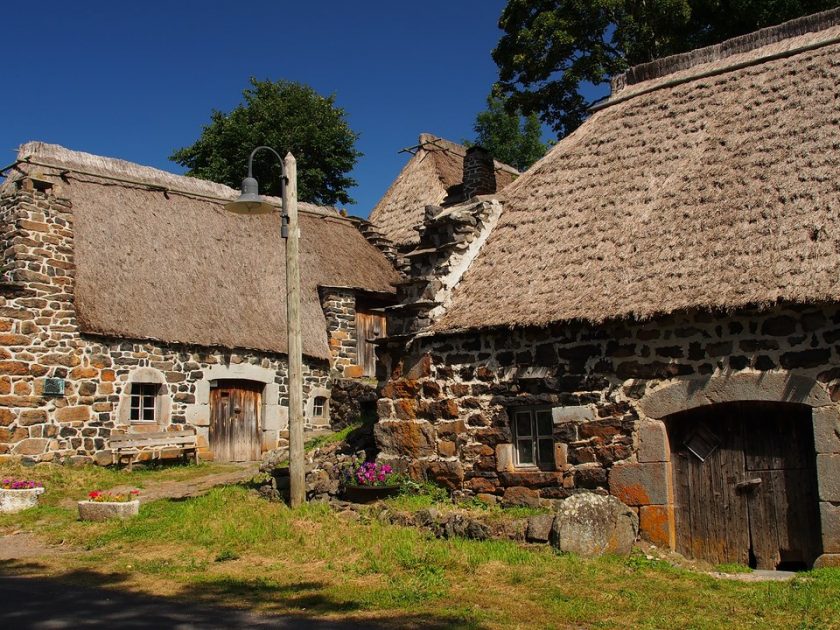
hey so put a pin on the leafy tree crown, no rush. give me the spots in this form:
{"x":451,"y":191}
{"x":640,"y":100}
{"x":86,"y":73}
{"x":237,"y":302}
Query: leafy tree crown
{"x":510,"y":137}
{"x":286,"y":116}
{"x":550,"y":48}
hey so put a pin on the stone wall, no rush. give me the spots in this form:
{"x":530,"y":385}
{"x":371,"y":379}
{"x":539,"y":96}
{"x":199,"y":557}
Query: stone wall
{"x":352,"y":400}
{"x":444,"y":409}
{"x":40,"y":339}
{"x":340,"y":310}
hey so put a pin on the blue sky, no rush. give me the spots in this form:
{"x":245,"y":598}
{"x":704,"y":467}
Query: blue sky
{"x":136,"y":80}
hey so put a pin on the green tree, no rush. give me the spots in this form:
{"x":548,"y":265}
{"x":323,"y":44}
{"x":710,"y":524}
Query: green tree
{"x":510,"y":137}
{"x":286,"y":116}
{"x":552,"y":47}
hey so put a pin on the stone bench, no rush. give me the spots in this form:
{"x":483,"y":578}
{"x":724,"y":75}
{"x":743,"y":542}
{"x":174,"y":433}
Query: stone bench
{"x":130,"y":447}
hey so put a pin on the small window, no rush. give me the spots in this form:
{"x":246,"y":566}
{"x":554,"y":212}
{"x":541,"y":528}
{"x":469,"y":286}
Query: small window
{"x":534,"y":437}
{"x":144,"y":402}
{"x":319,"y":407}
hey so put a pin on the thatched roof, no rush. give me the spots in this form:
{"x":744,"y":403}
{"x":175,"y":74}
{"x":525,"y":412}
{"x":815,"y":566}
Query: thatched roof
{"x":437,"y":165}
{"x":158,"y":257}
{"x":715,"y":186}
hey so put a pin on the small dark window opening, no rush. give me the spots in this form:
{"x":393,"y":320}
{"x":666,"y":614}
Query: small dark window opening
{"x":319,"y":407}
{"x":144,"y":402}
{"x":533,"y":434}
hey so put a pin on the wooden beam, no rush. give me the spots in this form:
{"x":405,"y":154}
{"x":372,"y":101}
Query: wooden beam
{"x":297,"y":490}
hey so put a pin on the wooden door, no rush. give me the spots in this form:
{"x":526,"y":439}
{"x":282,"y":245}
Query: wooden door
{"x":369,"y":326}
{"x":745,"y":484}
{"x":235,"y":421}
{"x":782,"y":490}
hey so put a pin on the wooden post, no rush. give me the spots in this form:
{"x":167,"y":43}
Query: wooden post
{"x":297,"y":475}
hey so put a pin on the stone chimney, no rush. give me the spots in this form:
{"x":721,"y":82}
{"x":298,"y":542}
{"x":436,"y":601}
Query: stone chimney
{"x":479,"y":173}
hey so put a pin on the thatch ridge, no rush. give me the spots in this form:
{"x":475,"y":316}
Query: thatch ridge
{"x":791,"y":36}
{"x":43,"y":154}
{"x":176,"y":267}
{"x":713,"y":193}
{"x":437,"y":165}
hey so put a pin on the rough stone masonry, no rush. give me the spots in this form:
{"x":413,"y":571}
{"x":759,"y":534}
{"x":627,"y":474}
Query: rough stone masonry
{"x":444,"y":410}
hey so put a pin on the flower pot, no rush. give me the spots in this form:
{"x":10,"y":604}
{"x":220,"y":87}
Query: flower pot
{"x":104,"y":510}
{"x":17,"y":500}
{"x":369,"y":494}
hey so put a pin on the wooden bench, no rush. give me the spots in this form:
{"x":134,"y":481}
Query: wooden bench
{"x":129,"y":447}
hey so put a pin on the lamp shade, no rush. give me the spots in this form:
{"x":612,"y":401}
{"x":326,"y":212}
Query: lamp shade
{"x":249,"y":201}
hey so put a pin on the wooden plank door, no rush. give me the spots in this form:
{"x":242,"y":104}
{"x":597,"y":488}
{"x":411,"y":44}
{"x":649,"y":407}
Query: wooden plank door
{"x":781,"y":489}
{"x":752,"y":499}
{"x":368,"y":326}
{"x":235,"y":421}
{"x":711,"y":517}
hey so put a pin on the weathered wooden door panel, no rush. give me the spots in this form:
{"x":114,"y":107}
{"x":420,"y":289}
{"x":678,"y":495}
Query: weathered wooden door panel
{"x":235,"y":421}
{"x":783,"y":507}
{"x":711,"y":518}
{"x":368,"y":326}
{"x":752,"y":498}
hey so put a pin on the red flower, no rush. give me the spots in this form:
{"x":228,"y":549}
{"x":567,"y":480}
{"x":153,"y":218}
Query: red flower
{"x":94,"y":494}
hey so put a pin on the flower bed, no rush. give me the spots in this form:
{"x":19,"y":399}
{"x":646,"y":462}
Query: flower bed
{"x":102,"y":506}
{"x":17,"y":495}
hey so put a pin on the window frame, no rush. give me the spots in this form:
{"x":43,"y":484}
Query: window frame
{"x":140,"y":392}
{"x":324,"y":406}
{"x":536,"y":434}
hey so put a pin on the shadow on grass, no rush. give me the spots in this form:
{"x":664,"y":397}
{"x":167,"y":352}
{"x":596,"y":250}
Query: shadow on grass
{"x":91,"y":599}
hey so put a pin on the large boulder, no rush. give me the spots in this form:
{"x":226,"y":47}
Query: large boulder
{"x":590,"y":524}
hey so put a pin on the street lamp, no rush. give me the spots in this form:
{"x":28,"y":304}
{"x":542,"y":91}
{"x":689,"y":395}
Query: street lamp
{"x":250,"y":202}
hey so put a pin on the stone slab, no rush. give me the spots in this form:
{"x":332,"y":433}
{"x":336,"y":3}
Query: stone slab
{"x":827,"y":429}
{"x":539,"y":528}
{"x":504,"y":457}
{"x":197,"y":415}
{"x":653,"y":442}
{"x":656,"y":525}
{"x":405,"y":438}
{"x":828,"y":477}
{"x":572,"y":413}
{"x":269,"y":440}
{"x":830,"y":527}
{"x":641,"y":484}
{"x":827,"y":561}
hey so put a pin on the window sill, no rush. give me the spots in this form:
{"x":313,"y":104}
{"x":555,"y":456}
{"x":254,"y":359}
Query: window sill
{"x":529,"y":468}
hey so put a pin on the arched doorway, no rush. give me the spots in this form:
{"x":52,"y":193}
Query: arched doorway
{"x":235,"y":423}
{"x":745,"y":484}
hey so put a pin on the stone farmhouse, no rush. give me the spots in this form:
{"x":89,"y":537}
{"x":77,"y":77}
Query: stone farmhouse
{"x":651,"y":311}
{"x":131,"y":301}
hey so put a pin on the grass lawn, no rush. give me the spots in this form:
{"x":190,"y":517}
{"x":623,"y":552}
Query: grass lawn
{"x":232,"y":548}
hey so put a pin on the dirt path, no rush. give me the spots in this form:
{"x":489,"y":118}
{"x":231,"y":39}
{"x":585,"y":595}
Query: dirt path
{"x":22,"y":545}
{"x":193,"y":487}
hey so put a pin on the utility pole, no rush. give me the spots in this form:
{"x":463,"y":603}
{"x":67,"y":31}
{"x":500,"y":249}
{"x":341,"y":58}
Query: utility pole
{"x":297,"y":490}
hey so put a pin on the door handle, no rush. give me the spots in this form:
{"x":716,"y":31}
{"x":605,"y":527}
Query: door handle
{"x":748,"y":484}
